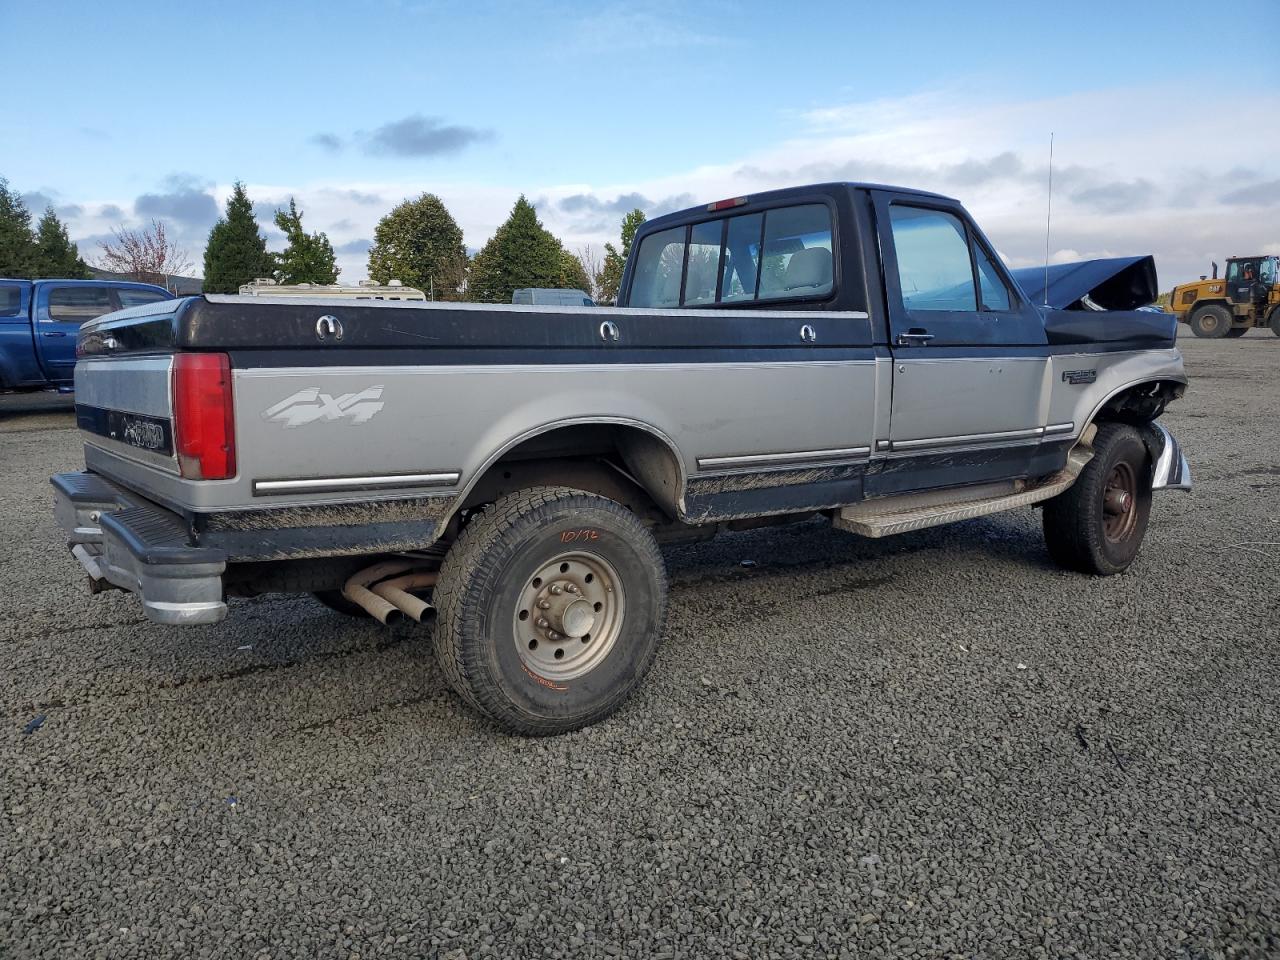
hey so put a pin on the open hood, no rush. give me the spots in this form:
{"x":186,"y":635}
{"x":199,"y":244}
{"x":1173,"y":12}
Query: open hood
{"x":1119,"y":283}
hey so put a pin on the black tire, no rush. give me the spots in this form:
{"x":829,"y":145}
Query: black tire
{"x":335,"y":601}
{"x":486,"y":579}
{"x":1082,"y":528}
{"x":1211,"y":321}
{"x":1274,"y":321}
{"x":1237,"y":332}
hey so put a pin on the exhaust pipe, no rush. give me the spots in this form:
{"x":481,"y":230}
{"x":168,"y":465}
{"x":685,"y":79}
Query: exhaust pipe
{"x":396,"y":592}
{"x":388,"y":601}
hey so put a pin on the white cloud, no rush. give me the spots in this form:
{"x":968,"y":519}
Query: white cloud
{"x":1127,"y":178}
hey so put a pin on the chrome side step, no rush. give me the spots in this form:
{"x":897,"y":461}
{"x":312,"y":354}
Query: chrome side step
{"x":890,"y":515}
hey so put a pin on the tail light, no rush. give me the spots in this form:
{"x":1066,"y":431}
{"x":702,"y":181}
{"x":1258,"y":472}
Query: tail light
{"x":203,"y":416}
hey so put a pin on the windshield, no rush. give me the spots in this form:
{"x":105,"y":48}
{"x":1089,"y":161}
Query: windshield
{"x":1269,"y":270}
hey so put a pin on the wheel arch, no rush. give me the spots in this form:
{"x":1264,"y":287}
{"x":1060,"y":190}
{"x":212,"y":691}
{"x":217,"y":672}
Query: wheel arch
{"x":622,"y":458}
{"x":1138,"y":401}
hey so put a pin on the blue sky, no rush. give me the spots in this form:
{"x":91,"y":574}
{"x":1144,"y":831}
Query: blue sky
{"x":153,"y":109}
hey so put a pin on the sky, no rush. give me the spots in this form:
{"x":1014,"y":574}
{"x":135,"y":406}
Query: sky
{"x":120,"y":113}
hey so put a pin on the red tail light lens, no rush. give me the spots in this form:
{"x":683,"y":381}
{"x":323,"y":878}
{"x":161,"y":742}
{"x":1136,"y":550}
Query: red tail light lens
{"x":203,"y":416}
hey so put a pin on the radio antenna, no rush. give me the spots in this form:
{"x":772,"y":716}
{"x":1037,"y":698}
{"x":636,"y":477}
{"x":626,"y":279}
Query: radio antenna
{"x":1048,"y":218}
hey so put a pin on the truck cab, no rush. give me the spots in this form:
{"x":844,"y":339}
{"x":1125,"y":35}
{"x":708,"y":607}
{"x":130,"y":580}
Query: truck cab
{"x":40,"y":321}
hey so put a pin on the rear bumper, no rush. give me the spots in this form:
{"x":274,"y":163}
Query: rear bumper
{"x":125,"y":541}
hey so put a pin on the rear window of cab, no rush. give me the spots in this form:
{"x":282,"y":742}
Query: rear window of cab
{"x":784,"y":253}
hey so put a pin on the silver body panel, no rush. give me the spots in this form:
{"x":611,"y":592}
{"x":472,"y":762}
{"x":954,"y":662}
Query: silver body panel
{"x":334,"y":435}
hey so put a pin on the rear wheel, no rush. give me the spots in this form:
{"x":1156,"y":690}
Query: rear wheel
{"x":1211,"y":321}
{"x":1097,"y":526}
{"x":551,"y":604}
{"x":1274,"y":321}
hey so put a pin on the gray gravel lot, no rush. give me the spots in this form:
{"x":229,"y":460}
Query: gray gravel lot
{"x":937,"y":745}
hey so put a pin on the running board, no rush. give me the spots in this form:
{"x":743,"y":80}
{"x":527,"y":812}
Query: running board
{"x":890,"y":515}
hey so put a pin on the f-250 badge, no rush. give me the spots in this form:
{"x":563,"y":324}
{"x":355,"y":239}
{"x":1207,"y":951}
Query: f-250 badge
{"x":309,"y":405}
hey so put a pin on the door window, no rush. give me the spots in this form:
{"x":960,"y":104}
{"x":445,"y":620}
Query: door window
{"x":10,"y":300}
{"x":934,"y":269}
{"x":136,"y":298}
{"x":995,"y":295}
{"x":1268,"y":272}
{"x":79,"y":304}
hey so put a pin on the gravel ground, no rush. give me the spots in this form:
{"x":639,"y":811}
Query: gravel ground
{"x":937,"y":746}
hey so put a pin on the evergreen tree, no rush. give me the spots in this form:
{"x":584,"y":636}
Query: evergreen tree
{"x":573,"y":276}
{"x":610,"y":277}
{"x":420,"y":244}
{"x":236,"y":252}
{"x":56,"y":255}
{"x":522,"y":253}
{"x":17,"y":245}
{"x":309,"y":256}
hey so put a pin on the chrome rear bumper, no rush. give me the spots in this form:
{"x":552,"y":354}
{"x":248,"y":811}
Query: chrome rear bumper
{"x":124,"y":541}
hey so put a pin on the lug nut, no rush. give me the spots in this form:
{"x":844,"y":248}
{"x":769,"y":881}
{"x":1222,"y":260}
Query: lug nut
{"x":572,"y":588}
{"x":552,"y":635}
{"x":542,"y":622}
{"x":557,"y":589}
{"x":544,"y":604}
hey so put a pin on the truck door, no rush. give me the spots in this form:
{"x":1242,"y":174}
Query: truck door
{"x":970,"y":356}
{"x":60,"y":309}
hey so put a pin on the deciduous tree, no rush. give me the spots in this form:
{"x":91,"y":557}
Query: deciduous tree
{"x":420,"y":244}
{"x":236,"y":252}
{"x":609,"y":279}
{"x":308,"y":258}
{"x":572,"y":274}
{"x":145,"y":255}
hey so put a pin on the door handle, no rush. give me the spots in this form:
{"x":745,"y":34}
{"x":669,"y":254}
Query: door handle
{"x":914,"y":337}
{"x":52,"y":333}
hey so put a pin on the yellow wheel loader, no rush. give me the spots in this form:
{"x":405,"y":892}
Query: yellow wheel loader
{"x":1247,"y":296}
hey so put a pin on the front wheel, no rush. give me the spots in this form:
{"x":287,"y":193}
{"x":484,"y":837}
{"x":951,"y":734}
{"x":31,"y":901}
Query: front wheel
{"x":1097,"y":525}
{"x":1211,"y":321}
{"x":1236,"y":332}
{"x":551,"y":604}
{"x":1274,"y":321}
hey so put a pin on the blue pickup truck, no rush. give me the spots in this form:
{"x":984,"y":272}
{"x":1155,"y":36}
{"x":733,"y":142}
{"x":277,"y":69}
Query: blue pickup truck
{"x":40,"y":319}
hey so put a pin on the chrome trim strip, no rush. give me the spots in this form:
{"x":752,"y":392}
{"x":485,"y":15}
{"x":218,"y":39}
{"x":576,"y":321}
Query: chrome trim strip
{"x":1059,"y":428}
{"x":320,"y":484}
{"x":773,"y":459}
{"x":970,"y":438}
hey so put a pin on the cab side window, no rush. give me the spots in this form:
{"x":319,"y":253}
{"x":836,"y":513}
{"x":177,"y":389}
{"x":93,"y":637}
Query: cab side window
{"x":10,"y":300}
{"x":136,"y":298}
{"x":934,"y":268}
{"x":784,"y":253}
{"x":79,"y":304}
{"x":659,"y":266}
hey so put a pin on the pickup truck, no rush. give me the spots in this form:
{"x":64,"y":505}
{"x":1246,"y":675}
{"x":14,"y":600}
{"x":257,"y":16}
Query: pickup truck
{"x":846,"y":351}
{"x":40,"y":319}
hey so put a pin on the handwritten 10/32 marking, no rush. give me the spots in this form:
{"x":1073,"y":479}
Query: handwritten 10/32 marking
{"x":574,"y":536}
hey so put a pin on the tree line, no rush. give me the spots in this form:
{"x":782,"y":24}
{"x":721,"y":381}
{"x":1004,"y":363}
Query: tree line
{"x":418,"y":243}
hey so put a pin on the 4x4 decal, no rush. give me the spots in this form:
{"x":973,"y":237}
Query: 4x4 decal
{"x":309,"y":405}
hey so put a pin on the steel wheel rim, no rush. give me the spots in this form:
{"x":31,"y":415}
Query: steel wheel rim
{"x":568,"y":615}
{"x":1120,"y":503}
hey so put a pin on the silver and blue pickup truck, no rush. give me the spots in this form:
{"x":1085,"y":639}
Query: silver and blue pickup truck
{"x":841,"y":350}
